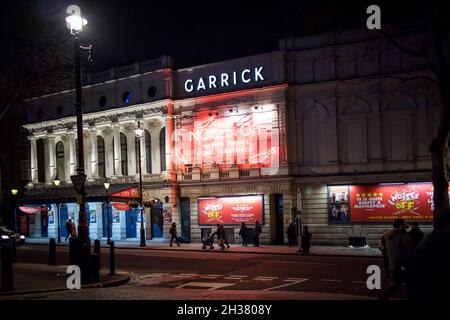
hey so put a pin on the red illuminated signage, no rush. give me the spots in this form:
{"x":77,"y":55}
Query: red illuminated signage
{"x":412,"y":201}
{"x":230,"y":210}
{"x":229,"y":137}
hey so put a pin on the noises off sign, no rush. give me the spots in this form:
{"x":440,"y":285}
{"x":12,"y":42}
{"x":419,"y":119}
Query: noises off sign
{"x":412,"y":201}
{"x":230,"y":210}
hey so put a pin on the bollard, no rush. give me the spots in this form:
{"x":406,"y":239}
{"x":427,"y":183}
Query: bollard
{"x":94,"y":267}
{"x":112,"y":259}
{"x":74,"y":251}
{"x":84,"y":263}
{"x":7,"y":269}
{"x":52,"y":252}
{"x":14,"y":249}
{"x":97,"y":246}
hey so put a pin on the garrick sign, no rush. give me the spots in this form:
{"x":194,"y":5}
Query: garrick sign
{"x":223,"y":80}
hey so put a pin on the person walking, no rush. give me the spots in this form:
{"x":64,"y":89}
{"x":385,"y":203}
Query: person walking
{"x":415,"y":233}
{"x":400,"y":249}
{"x":243,"y":234}
{"x":258,"y":231}
{"x":74,"y":229}
{"x":382,"y":248}
{"x":224,"y":237}
{"x":291,"y":234}
{"x":68,"y":228}
{"x":306,"y":239}
{"x":173,"y":233}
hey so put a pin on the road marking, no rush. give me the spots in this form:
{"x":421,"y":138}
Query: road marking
{"x":359,"y":281}
{"x":298,"y":262}
{"x":209,"y":285}
{"x":261,"y":278}
{"x":285,"y":285}
{"x":189,"y":274}
{"x":237,"y":276}
{"x":331,"y":280}
{"x":294,"y":279}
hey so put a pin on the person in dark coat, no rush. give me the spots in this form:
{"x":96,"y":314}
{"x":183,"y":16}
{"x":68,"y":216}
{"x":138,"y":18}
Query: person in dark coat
{"x":224,"y":236}
{"x":68,"y":228}
{"x":243,"y":234}
{"x":173,"y":233}
{"x":306,"y":239}
{"x":415,"y":233}
{"x":258,"y":231}
{"x":291,"y":234}
{"x":429,"y":276}
{"x":382,"y":248}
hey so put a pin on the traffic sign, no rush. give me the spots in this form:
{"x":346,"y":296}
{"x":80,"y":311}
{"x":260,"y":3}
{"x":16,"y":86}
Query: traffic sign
{"x":78,"y":181}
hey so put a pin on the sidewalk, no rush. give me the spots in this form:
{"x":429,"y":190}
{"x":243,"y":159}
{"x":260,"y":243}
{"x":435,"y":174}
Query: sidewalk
{"x":236,"y":248}
{"x":39,"y":278}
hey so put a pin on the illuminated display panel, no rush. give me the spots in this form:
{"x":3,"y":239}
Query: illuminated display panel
{"x":245,"y":137}
{"x":381,"y":203}
{"x":231,"y":210}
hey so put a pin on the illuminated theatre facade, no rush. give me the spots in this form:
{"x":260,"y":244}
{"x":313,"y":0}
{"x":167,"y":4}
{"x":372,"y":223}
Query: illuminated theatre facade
{"x":316,"y":129}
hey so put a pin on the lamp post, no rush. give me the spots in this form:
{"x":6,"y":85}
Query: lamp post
{"x":58,"y":203}
{"x":106,"y":184}
{"x":14,"y":193}
{"x":139,"y":132}
{"x":75,"y":23}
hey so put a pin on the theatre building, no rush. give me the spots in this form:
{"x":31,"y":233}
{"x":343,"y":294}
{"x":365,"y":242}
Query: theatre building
{"x":334,"y":128}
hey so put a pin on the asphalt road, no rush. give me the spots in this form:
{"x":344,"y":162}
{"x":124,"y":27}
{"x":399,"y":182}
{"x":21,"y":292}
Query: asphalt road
{"x":238,"y":273}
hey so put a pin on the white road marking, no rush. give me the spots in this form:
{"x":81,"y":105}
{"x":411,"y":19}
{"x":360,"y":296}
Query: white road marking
{"x":331,"y":280}
{"x":209,"y":285}
{"x":189,"y":274}
{"x":237,"y":276}
{"x":265,"y":278}
{"x":285,"y":285}
{"x":294,"y":279}
{"x":359,"y":281}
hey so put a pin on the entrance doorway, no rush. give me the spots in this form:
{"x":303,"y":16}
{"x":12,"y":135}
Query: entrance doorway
{"x":157,"y":220}
{"x":44,"y":224}
{"x":276,"y":219}
{"x":107,"y":210}
{"x":130,"y":217}
{"x":63,"y":216}
{"x":185,"y":205}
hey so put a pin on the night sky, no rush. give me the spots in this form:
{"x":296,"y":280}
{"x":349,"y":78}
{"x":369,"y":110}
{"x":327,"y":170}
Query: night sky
{"x":195,"y":32}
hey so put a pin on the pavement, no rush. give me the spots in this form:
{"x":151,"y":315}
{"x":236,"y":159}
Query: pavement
{"x":32,"y":278}
{"x":364,"y":252}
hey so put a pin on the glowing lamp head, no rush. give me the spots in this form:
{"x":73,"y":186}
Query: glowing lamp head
{"x":74,"y":20}
{"x":14,"y":192}
{"x":57,"y":182}
{"x":138,"y":131}
{"x":106,"y":185}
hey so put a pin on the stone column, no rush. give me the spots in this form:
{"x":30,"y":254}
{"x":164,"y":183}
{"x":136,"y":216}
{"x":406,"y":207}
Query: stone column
{"x":117,"y":155}
{"x":51,"y":158}
{"x":33,"y":159}
{"x":94,"y":154}
{"x":132,"y":152}
{"x":143,"y":154}
{"x":154,"y":134}
{"x":72,"y":153}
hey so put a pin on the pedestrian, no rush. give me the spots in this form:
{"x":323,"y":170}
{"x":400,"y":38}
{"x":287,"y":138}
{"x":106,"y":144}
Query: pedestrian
{"x":74,"y":229}
{"x":415,"y":233}
{"x":243,"y":234}
{"x":382,"y":248}
{"x":400,"y":249}
{"x":291,"y":234}
{"x":68,"y":228}
{"x":306,"y":239}
{"x":429,"y":276}
{"x":258,"y":231}
{"x":173,"y":233}
{"x":224,"y":237}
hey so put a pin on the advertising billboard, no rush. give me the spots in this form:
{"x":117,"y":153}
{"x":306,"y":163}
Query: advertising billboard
{"x":381,"y":203}
{"x":231,"y":210}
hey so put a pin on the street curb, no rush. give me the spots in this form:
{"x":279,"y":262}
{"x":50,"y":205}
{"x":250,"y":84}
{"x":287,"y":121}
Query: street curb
{"x":107,"y":284}
{"x":240,"y":252}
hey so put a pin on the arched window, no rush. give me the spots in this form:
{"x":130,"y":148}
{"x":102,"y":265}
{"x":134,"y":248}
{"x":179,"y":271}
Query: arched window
{"x":124,"y":154}
{"x":60,"y":165}
{"x":162,"y":149}
{"x":101,"y":157}
{"x":148,"y":151}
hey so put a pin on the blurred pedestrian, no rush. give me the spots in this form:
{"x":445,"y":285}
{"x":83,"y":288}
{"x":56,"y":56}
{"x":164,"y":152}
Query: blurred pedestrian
{"x":173,"y":233}
{"x":415,"y":233}
{"x":243,"y":233}
{"x":291,"y":234}
{"x":224,"y":237}
{"x":258,"y":231}
{"x":382,"y":248}
{"x":68,"y":228}
{"x":74,"y":229}
{"x":306,"y":239}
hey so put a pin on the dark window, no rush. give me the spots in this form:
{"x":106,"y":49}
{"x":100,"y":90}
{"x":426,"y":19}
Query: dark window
{"x":40,"y":113}
{"x":102,"y":101}
{"x":101,"y":157}
{"x":124,"y":154}
{"x":40,"y":159}
{"x":126,"y":97}
{"x":151,"y":91}
{"x":162,"y":149}
{"x":59,"y":109}
{"x":148,"y":151}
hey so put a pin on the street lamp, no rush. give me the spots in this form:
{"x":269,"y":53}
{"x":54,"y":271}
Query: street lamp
{"x":14,"y":193}
{"x":75,"y":24}
{"x":139,"y":133}
{"x":107,"y":184}
{"x":58,"y":203}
